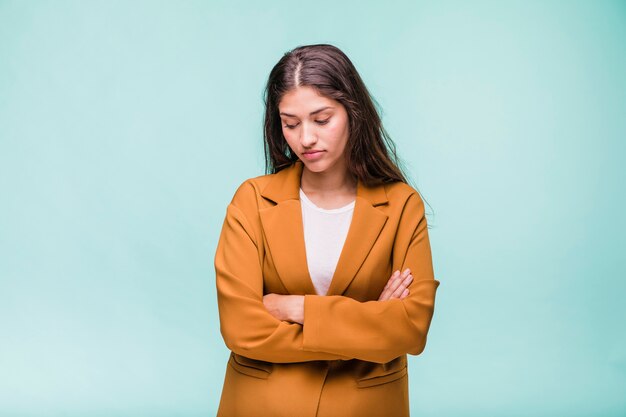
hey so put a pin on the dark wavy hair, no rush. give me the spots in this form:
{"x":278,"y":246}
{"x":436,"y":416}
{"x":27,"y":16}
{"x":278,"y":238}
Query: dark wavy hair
{"x":370,"y":153}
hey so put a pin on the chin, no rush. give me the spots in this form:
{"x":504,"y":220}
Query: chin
{"x":315,"y":166}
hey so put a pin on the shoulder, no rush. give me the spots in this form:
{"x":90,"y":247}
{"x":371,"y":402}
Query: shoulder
{"x":248,"y":193}
{"x":402,"y":193}
{"x":405,"y":205}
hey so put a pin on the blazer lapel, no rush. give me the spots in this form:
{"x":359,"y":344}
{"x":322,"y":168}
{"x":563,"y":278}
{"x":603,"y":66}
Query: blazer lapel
{"x":282,"y":224}
{"x":367,"y":223}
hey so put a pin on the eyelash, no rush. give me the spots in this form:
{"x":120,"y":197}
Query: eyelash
{"x":319,"y":122}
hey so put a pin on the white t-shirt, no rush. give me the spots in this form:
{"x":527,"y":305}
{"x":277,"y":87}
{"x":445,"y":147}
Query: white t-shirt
{"x":325,"y":232}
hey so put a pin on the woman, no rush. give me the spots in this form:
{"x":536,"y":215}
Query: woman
{"x":323,"y":267}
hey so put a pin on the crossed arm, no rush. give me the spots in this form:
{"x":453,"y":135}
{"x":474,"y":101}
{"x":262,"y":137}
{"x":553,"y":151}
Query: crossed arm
{"x":291,"y":307}
{"x":286,"y":328}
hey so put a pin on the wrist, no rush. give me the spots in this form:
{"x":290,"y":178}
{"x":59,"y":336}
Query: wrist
{"x":297,"y":309}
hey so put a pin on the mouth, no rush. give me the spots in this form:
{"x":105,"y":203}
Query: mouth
{"x":312,"y":154}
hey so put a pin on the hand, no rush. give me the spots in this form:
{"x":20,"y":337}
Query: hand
{"x":397,"y":286}
{"x":285,"y":307}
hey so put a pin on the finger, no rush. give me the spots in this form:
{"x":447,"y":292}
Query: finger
{"x":403,"y":286}
{"x":404,"y":294}
{"x":391,"y":278}
{"x":393,"y":286}
{"x":387,"y":291}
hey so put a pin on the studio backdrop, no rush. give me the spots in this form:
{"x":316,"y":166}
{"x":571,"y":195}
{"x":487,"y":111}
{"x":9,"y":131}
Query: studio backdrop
{"x":126,"y":126}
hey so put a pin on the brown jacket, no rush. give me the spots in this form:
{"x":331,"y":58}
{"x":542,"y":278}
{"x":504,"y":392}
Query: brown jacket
{"x":349,"y":357}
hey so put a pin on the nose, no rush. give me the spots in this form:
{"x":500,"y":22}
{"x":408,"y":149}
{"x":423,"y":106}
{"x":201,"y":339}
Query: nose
{"x":308,"y":137}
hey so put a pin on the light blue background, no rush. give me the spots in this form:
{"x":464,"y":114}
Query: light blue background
{"x":125,"y":128}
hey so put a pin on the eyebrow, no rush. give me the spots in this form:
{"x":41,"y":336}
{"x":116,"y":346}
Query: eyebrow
{"x":310,"y":114}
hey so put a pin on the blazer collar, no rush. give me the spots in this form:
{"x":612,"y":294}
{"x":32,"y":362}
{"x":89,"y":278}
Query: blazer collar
{"x":285,"y":185}
{"x":284,"y":231}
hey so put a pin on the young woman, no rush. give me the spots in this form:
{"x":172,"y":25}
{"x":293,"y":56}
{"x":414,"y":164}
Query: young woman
{"x":324,"y":272}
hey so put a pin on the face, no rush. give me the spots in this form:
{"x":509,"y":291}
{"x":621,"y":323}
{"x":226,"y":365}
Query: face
{"x":316,"y":129}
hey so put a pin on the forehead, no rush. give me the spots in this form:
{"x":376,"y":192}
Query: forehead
{"x":302,"y":100}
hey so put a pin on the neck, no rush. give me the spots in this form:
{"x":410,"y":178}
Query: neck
{"x":338,"y":180}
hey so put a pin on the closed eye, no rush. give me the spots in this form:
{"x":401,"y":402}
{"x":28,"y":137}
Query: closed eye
{"x":319,"y":122}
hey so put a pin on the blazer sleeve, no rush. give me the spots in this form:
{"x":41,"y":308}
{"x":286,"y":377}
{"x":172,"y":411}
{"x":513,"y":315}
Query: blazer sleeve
{"x":379,"y":331}
{"x":247,"y":327}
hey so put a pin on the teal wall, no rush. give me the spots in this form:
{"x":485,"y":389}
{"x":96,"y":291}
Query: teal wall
{"x":125,"y":128}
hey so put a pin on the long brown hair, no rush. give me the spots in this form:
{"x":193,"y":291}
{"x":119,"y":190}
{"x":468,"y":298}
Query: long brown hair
{"x":370,"y":153}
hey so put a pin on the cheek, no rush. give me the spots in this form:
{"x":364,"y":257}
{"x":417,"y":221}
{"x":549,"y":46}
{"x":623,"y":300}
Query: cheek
{"x":339,"y":135}
{"x":289,"y":138}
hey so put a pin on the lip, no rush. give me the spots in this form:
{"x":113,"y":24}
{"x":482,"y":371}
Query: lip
{"x":312,"y":155}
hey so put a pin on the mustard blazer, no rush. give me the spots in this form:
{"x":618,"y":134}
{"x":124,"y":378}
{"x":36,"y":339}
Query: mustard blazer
{"x":350,"y":356}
